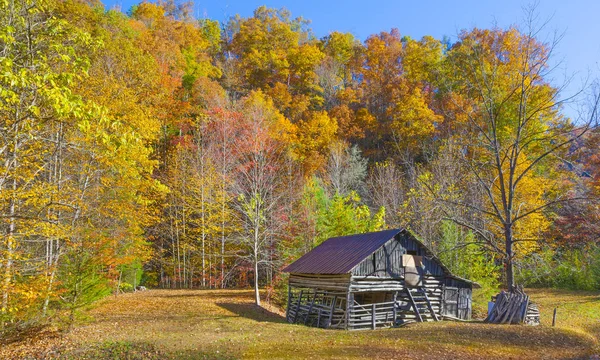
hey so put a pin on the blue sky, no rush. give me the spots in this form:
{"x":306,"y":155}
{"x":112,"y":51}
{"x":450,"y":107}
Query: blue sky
{"x":577,"y":55}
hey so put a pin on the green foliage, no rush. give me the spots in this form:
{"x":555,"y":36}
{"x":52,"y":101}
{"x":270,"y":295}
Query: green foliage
{"x":575,"y":269}
{"x":125,"y":287}
{"x":339,"y":215}
{"x":81,"y":280}
{"x":347,"y":215}
{"x":132,"y":273}
{"x":211,"y":31}
{"x":464,"y":258}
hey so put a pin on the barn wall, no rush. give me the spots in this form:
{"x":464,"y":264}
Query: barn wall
{"x":457,"y":283}
{"x":381,"y":292}
{"x":430,"y":265}
{"x":387,"y":260}
{"x":457,"y":300}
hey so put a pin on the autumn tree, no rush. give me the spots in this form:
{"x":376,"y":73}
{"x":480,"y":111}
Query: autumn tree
{"x":258,"y":186}
{"x":77,"y":164}
{"x":517,"y":131}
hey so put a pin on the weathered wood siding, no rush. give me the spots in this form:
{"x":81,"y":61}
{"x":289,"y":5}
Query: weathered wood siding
{"x":375,"y":283}
{"x":381,"y":292}
{"x":387,"y":260}
{"x":318,"y":299}
{"x":457,"y":302}
{"x":430,"y":265}
{"x":335,"y":282}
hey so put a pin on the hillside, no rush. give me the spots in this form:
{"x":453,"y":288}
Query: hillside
{"x":225,"y":324}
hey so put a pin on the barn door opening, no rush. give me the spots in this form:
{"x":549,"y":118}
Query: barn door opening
{"x":450,"y":301}
{"x":457,"y":302}
{"x":464,"y":303}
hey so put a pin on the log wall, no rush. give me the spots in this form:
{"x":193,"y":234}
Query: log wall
{"x":334,"y":282}
{"x":383,"y":293}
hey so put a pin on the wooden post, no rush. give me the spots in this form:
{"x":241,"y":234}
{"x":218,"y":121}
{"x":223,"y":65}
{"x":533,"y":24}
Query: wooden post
{"x":554,"y":317}
{"x":332,"y":310}
{"x":394,"y":309}
{"x":443,"y":300}
{"x":373,"y":316}
{"x":349,"y":304}
{"x":298,"y":306}
{"x":312,"y":303}
{"x":289,"y":303}
{"x":319,"y":317}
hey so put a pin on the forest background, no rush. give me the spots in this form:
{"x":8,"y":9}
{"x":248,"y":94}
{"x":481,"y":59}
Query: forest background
{"x":153,"y":148}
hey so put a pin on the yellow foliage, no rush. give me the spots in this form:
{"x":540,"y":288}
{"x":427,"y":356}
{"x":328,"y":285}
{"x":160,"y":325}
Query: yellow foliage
{"x":315,"y":135}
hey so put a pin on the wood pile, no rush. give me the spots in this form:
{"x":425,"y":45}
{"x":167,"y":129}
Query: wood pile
{"x":513,"y":307}
{"x":533,"y":315}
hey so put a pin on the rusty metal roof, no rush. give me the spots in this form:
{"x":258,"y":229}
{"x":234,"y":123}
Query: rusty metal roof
{"x":339,"y":255}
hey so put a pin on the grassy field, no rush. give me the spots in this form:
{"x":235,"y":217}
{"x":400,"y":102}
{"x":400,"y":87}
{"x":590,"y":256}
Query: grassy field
{"x":224,"y":324}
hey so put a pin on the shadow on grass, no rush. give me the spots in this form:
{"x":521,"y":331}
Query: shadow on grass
{"x":594,"y":330}
{"x":20,"y":332}
{"x":252,"y":311}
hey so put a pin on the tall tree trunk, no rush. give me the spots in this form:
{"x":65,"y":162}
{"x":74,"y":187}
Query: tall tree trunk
{"x":508,"y":237}
{"x":10,"y":240}
{"x":256,"y":250}
{"x":54,"y":251}
{"x":223,"y":170}
{"x":256,"y":292}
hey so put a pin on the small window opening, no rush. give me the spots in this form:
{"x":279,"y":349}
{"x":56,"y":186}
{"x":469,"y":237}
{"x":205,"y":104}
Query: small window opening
{"x":411,"y":252}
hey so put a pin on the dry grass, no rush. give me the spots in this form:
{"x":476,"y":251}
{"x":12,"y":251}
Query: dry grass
{"x":224,"y":324}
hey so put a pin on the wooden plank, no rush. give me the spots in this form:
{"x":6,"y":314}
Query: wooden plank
{"x":373,"y":314}
{"x":311,"y":306}
{"x":332,"y":311}
{"x":435,"y":318}
{"x":395,"y":308}
{"x":289,"y":303}
{"x":298,"y":306}
{"x":349,"y":302}
{"x":414,"y":305}
{"x":318,"y":317}
{"x":442,"y":305}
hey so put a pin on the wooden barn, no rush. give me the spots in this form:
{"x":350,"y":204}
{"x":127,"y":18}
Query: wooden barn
{"x":374,"y":280}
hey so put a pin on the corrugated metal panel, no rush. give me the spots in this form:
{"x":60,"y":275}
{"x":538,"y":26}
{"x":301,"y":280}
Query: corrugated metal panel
{"x":340,"y":254}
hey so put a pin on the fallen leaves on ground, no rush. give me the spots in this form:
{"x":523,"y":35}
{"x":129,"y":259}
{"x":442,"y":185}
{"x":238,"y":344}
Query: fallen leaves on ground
{"x":225,"y":324}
